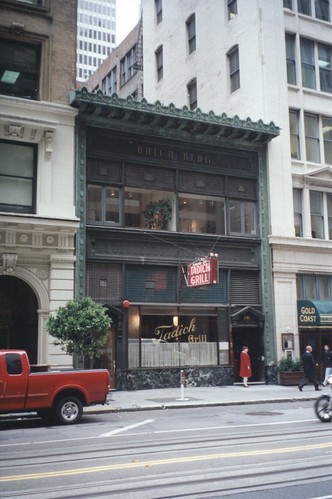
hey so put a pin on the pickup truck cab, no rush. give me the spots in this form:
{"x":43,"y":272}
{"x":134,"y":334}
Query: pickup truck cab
{"x":60,"y":395}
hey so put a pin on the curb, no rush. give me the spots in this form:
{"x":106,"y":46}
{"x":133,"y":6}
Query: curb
{"x":192,"y":405}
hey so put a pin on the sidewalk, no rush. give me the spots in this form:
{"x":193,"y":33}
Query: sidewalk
{"x":170,"y":398}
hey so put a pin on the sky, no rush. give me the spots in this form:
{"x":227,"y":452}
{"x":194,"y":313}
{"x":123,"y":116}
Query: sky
{"x":128,"y":12}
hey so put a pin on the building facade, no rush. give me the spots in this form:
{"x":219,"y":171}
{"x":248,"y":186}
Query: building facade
{"x":96,"y":30}
{"x":37,"y":203}
{"x":122,"y":71}
{"x":270,"y":60}
{"x":160,"y":188}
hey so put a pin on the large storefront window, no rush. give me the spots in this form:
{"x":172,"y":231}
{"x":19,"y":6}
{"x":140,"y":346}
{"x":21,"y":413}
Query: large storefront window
{"x":160,"y":339}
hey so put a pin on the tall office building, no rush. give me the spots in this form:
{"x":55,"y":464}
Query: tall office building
{"x":96,"y":26}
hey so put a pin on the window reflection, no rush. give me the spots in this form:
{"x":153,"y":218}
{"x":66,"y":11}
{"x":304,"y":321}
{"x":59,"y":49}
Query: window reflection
{"x":203,"y":214}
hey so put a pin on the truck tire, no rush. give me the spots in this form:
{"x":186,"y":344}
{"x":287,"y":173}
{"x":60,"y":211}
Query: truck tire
{"x":68,"y":410}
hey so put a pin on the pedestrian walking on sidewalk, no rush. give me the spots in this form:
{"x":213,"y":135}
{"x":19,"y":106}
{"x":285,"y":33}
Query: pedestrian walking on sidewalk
{"x":327,"y":363}
{"x":309,"y":368}
{"x":245,"y":366}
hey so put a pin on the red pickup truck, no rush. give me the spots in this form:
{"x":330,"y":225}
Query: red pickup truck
{"x":60,"y":395}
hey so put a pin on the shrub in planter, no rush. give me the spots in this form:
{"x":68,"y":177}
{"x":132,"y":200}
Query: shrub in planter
{"x":290,"y":371}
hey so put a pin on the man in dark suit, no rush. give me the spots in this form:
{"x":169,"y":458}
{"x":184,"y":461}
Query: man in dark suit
{"x":309,"y":368}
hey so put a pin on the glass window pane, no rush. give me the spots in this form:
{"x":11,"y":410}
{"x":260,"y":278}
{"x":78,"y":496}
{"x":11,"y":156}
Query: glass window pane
{"x":294,"y":135}
{"x":316,"y":209}
{"x":290,"y":51}
{"x":148,"y":209}
{"x":297,"y":202}
{"x":94,"y":203}
{"x":329,"y":213}
{"x":322,"y":9}
{"x":17,"y":164}
{"x":325,"y":67}
{"x":304,"y":7}
{"x":19,"y":69}
{"x":232,"y":8}
{"x":327,"y":136}
{"x":323,"y":287}
{"x":310,"y":287}
{"x":112,"y":205}
{"x":201,"y":214}
{"x":312,"y":138}
{"x":308,"y":63}
{"x":234,"y":69}
{"x":235,"y":216}
{"x":249,"y":218}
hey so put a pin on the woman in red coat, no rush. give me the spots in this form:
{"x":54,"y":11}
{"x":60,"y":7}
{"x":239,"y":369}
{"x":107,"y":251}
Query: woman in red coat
{"x":245,"y":366}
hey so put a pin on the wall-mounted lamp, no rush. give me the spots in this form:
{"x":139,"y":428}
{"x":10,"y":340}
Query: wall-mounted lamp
{"x":175,"y":320}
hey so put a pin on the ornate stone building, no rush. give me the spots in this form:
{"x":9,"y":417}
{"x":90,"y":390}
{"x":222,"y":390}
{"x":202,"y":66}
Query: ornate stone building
{"x":37,"y":204}
{"x":207,"y":174}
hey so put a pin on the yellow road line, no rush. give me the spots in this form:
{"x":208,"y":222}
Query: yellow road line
{"x":176,"y":460}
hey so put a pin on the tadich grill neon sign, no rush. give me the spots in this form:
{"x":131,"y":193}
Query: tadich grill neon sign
{"x":204,"y":272}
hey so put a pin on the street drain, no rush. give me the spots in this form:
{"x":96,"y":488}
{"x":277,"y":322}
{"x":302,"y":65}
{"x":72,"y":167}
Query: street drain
{"x":264,"y":413}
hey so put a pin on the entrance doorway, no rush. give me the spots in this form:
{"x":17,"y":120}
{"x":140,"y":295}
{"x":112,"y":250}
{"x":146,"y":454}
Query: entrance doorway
{"x":18,"y":316}
{"x":253,"y":339}
{"x":316,"y":338}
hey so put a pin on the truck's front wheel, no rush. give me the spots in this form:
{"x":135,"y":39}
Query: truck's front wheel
{"x":68,"y":410}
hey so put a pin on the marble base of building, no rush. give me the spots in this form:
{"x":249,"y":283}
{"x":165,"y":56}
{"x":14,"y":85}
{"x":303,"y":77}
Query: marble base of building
{"x":145,"y":379}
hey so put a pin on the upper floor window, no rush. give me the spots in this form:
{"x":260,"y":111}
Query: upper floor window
{"x":317,"y":215}
{"x":159,"y":10}
{"x":297,"y":203}
{"x":294,"y":134}
{"x":231,"y":8}
{"x":288,"y":4}
{"x":327,"y":139}
{"x":319,"y":226}
{"x":322,"y":9}
{"x":111,"y":82}
{"x":127,"y":65}
{"x":159,"y":63}
{"x":325,"y":67}
{"x":314,"y":287}
{"x":17,"y":177}
{"x":192,"y":94}
{"x":308,"y":63}
{"x":312,"y":143}
{"x":290,"y":55}
{"x":19,"y":69}
{"x":234,"y":68}
{"x":191,"y":32}
{"x":304,"y":7}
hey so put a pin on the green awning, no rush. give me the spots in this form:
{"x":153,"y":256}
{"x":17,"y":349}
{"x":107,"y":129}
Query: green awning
{"x":314,"y":313}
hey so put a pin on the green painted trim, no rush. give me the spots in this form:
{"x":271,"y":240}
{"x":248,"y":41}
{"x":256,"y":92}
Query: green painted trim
{"x":146,"y":113}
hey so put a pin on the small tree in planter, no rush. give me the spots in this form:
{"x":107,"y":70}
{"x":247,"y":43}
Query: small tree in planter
{"x":157,"y":214}
{"x":80,"y":328}
{"x":290,"y":371}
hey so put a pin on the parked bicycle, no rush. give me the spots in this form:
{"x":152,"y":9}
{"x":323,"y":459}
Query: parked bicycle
{"x":323,"y":405}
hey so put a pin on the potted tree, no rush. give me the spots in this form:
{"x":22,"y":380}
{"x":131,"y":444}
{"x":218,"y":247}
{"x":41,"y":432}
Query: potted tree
{"x":80,"y":328}
{"x":157,"y":214}
{"x":290,"y":371}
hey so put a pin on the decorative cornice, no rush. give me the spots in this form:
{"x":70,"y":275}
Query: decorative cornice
{"x":157,"y":115}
